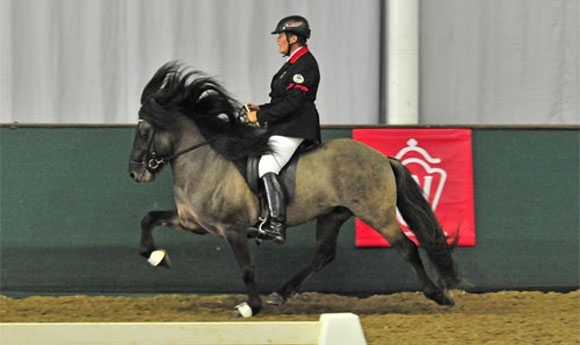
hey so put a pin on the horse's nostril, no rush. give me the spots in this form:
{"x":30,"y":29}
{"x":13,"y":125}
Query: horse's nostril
{"x":132,"y":175}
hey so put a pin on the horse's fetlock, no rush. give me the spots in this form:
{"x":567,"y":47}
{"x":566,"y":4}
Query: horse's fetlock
{"x":146,"y":253}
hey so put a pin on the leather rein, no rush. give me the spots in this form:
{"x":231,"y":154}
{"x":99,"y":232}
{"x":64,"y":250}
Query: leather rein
{"x":152,"y":163}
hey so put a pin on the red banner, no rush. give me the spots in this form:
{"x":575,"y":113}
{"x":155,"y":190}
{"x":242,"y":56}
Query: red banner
{"x":440,"y":160}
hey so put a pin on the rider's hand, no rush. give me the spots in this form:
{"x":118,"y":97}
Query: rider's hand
{"x":252,"y":116}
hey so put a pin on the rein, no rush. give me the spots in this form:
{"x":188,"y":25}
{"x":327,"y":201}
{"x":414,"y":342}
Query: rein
{"x":153,"y":163}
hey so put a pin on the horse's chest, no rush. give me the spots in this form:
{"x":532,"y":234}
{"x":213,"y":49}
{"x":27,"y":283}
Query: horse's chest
{"x":191,"y":217}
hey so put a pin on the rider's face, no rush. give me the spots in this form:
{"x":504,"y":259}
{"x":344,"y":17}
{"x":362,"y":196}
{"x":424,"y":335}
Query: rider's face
{"x":282,"y":40}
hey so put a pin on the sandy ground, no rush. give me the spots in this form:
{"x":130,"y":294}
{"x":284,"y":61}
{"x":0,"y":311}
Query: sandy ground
{"x":403,"y":318}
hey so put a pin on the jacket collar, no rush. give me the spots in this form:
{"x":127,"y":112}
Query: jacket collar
{"x":297,"y":54}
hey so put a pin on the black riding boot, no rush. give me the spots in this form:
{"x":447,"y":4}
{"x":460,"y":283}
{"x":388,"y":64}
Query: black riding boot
{"x":276,"y":226}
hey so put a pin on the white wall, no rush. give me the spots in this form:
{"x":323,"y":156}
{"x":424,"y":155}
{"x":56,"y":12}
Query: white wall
{"x":481,"y":61}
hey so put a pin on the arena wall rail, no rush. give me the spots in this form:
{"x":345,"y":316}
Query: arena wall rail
{"x":330,"y":329}
{"x":69,"y":221}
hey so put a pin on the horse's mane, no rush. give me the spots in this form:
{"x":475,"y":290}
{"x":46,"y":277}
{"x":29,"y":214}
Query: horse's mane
{"x":176,"y":90}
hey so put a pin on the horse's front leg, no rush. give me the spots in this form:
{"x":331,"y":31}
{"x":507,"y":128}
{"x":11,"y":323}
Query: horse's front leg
{"x":154,"y":219}
{"x":239,"y":243}
{"x":148,"y":223}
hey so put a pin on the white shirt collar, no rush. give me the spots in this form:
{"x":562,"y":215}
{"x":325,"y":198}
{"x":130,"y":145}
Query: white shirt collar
{"x":294,"y":53}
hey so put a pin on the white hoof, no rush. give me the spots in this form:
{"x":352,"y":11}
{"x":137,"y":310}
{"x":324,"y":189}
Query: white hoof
{"x":159,"y":257}
{"x":244,"y":310}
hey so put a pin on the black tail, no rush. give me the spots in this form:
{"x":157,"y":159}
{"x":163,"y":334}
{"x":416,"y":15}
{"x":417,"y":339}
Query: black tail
{"x":418,"y":214}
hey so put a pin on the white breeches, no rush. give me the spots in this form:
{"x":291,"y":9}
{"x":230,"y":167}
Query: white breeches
{"x":282,"y":150}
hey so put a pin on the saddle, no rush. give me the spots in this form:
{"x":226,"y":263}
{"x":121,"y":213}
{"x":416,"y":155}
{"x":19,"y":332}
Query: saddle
{"x":287,"y":178}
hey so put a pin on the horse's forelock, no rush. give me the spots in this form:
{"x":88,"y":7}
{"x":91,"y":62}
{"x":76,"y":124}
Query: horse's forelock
{"x":152,"y":112}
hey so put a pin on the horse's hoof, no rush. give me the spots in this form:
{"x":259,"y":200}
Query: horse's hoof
{"x":448,"y":300}
{"x":441,"y":297}
{"x":275,"y":299}
{"x":159,"y":257}
{"x":243,"y":310}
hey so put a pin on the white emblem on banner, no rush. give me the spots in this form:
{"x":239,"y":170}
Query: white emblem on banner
{"x":433,"y":174}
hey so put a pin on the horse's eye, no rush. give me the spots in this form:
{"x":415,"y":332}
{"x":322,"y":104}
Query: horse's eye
{"x":144,"y":134}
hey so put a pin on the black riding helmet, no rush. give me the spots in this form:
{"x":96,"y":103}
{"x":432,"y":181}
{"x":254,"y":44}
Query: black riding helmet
{"x":296,"y":25}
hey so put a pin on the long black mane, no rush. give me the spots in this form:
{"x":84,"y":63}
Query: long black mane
{"x":175,"y":90}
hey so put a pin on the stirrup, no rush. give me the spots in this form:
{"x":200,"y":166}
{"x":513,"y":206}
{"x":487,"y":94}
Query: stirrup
{"x":268,"y":233}
{"x":256,"y":231}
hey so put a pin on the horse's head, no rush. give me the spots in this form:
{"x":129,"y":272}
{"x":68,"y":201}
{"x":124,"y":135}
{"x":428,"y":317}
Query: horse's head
{"x":150,"y":146}
{"x":153,"y":140}
{"x":182,"y":110}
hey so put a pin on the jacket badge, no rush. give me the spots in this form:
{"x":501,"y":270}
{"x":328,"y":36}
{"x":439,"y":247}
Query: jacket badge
{"x":298,"y":78}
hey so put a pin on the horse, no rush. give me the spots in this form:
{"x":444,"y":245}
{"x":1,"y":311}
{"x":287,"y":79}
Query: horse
{"x":190,"y":121}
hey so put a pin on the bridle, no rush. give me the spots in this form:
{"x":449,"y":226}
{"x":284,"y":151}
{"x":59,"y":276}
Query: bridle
{"x":153,"y":163}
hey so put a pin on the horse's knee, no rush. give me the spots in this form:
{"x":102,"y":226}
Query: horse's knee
{"x":155,"y":218}
{"x":148,"y":219}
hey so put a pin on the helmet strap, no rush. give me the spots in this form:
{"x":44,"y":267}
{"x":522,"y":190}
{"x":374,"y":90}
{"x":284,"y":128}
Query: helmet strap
{"x":289,"y":44}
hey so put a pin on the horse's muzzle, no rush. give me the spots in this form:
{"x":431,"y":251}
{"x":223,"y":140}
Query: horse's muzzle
{"x":140,"y":174}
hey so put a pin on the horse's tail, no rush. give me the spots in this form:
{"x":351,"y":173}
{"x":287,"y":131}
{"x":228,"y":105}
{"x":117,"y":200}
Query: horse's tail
{"x":418,"y":214}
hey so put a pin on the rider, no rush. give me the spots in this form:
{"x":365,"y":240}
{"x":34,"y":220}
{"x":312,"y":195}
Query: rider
{"x":290,"y":116}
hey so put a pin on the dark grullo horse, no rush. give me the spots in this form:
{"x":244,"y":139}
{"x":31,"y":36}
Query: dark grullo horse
{"x":189,"y":121}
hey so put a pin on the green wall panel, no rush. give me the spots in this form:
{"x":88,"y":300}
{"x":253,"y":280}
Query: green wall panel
{"x":69,"y":221}
{"x":526,"y":201}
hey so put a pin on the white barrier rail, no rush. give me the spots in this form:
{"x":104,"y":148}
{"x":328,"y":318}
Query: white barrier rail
{"x":330,"y":329}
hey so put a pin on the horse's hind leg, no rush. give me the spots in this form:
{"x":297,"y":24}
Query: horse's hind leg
{"x":327,"y":228}
{"x":409,"y":251}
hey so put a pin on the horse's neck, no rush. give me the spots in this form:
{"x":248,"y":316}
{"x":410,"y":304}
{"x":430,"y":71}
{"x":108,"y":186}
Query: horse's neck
{"x":200,"y":167}
{"x":200,"y":170}
{"x":196,"y":160}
